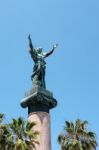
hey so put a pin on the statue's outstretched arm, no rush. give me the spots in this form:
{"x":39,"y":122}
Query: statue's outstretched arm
{"x":50,"y":52}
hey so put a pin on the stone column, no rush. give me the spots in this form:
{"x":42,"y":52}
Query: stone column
{"x":39,"y":102}
{"x":42,"y":120}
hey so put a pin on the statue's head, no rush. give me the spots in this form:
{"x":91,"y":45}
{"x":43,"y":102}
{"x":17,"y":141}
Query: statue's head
{"x":39,"y":50}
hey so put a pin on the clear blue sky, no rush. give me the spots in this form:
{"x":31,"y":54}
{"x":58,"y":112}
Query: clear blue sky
{"x":72,"y":71}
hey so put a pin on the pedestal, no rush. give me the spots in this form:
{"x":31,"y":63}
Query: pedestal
{"x":39,"y":102}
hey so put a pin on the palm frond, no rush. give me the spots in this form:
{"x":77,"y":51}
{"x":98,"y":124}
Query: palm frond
{"x":1,"y":117}
{"x":77,"y":137}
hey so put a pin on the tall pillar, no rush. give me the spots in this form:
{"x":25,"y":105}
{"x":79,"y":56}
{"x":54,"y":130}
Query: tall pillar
{"x":39,"y":102}
{"x":43,"y":126}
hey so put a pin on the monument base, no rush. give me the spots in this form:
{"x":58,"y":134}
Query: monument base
{"x":38,"y":99}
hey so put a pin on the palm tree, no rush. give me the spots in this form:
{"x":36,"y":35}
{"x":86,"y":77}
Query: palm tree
{"x":76,"y":137}
{"x":1,"y":131}
{"x":23,"y":135}
{"x":4,"y":134}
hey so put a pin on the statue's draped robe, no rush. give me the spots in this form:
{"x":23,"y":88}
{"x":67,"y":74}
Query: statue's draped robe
{"x":38,"y":75}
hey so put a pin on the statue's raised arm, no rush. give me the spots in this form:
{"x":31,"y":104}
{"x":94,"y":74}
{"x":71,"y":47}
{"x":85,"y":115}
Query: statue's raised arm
{"x":32,"y":51}
{"x":30,"y":42}
{"x":51,"y":51}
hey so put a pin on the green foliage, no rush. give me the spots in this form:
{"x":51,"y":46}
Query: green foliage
{"x":76,"y":137}
{"x":1,"y":118}
{"x":18,"y":135}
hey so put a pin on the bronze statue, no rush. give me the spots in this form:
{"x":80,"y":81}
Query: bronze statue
{"x":38,"y":76}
